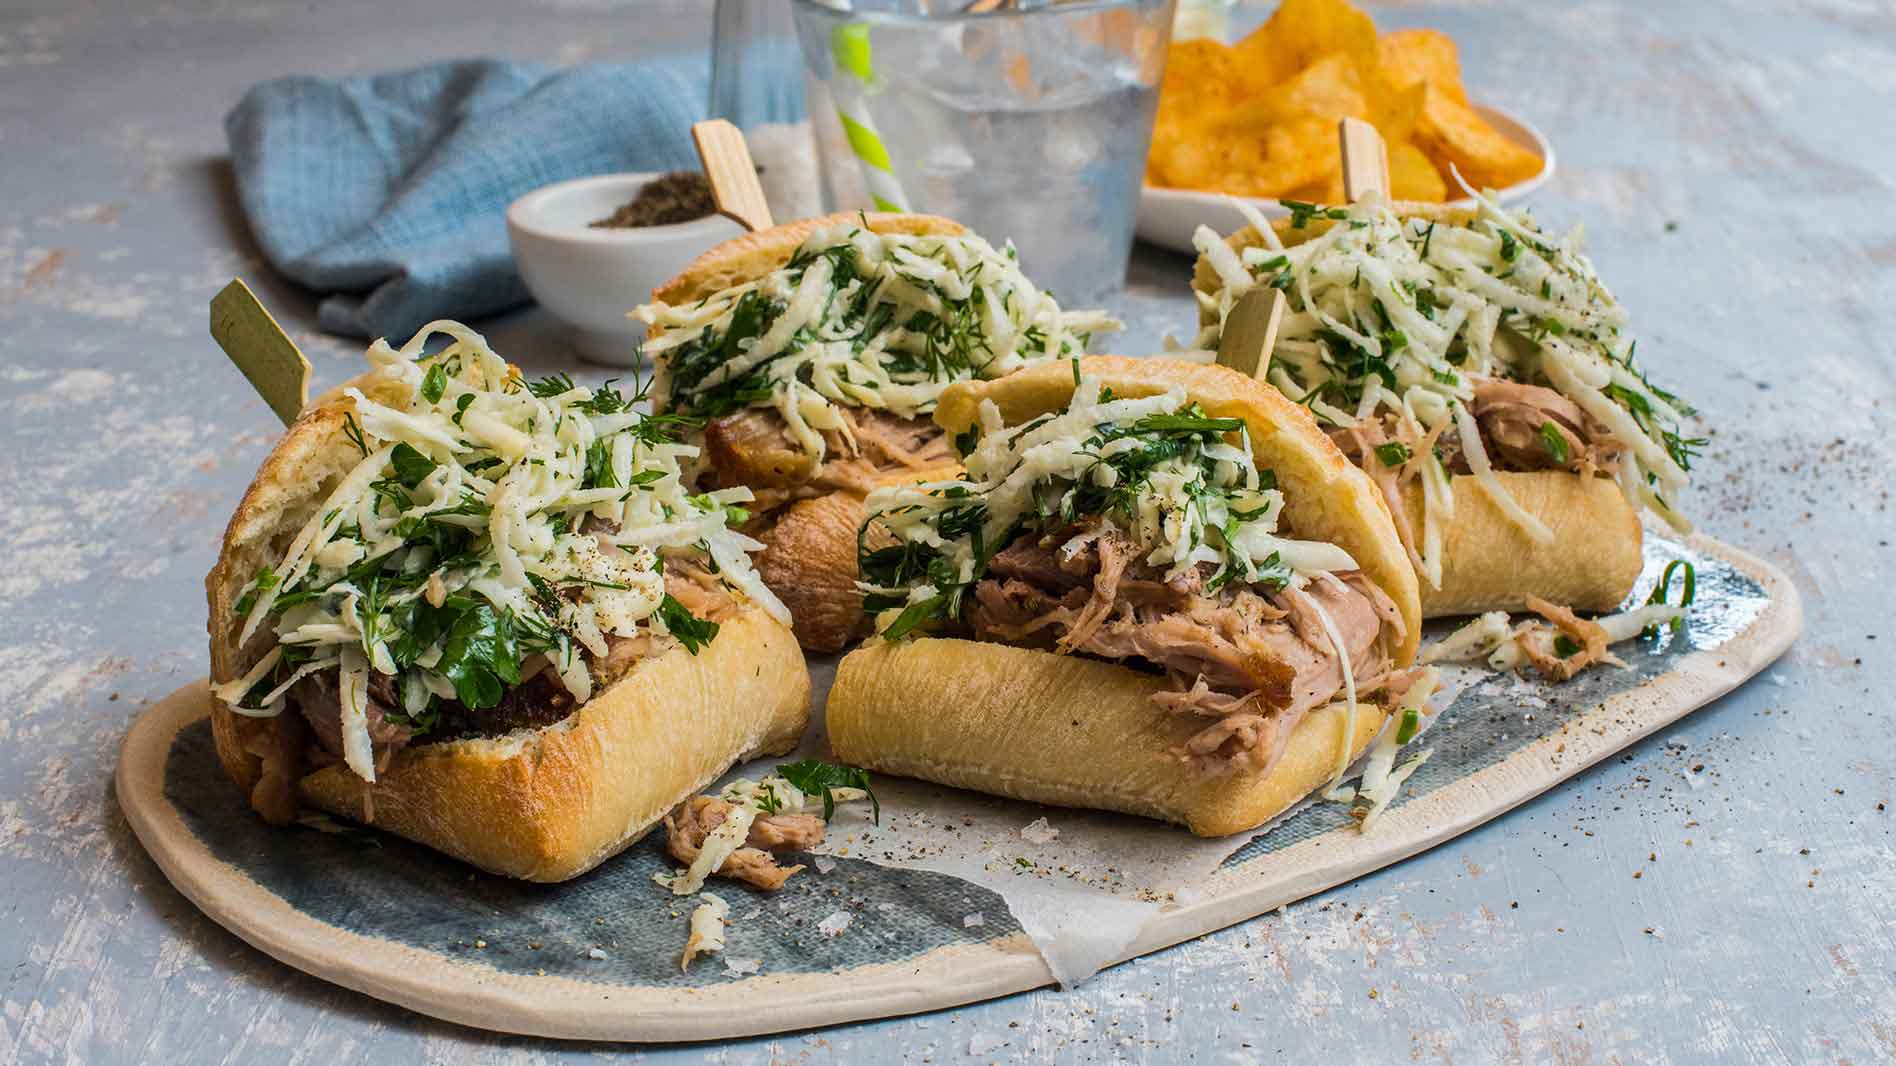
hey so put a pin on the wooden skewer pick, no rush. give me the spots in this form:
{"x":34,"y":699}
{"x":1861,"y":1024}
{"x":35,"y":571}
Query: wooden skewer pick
{"x":733,"y":177}
{"x":1250,"y":331}
{"x":277,"y":369}
{"x":1365,"y":160}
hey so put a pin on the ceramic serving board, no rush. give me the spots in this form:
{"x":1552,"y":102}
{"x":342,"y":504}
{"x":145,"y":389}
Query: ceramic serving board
{"x":597,"y":958}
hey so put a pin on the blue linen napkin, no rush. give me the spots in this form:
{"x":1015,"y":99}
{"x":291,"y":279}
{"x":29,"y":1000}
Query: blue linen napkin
{"x":388,"y":193}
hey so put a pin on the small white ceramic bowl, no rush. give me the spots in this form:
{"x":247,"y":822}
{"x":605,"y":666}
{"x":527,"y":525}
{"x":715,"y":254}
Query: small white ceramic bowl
{"x":591,"y":278}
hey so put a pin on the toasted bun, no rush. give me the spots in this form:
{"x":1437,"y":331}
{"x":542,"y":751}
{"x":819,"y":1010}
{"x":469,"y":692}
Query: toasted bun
{"x":1059,"y":729}
{"x":542,"y":804}
{"x":1488,"y":563}
{"x":549,"y":804}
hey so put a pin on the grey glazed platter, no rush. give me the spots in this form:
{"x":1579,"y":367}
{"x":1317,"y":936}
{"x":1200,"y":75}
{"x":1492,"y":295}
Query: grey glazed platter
{"x":596,"y":958}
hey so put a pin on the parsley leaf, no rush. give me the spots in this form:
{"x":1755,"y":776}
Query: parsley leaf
{"x":410,"y":465}
{"x":434,"y":383}
{"x":1393,"y":454}
{"x":480,"y":657}
{"x":693,"y":632}
{"x":813,"y":776}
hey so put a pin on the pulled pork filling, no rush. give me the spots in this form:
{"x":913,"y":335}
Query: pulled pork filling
{"x":1523,"y":428}
{"x":753,"y":448}
{"x":691,"y":822}
{"x":1253,"y":663}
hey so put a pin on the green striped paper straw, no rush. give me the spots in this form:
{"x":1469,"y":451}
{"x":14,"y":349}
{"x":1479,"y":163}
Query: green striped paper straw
{"x":857,"y":72}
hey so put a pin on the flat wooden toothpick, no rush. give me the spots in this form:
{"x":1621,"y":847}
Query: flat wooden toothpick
{"x":1365,"y":160}
{"x":733,"y":177}
{"x":1250,"y":331}
{"x":277,"y":369}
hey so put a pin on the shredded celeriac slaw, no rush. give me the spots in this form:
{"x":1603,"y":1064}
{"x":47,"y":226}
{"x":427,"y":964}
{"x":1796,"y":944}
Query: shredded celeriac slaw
{"x":487,"y":522}
{"x":858,"y":318}
{"x":1153,"y":467}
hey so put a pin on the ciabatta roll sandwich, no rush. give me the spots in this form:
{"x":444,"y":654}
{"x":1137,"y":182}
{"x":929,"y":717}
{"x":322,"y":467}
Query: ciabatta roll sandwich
{"x":1158,"y":588}
{"x":816,"y":352}
{"x":1476,"y":367}
{"x":487,"y":614}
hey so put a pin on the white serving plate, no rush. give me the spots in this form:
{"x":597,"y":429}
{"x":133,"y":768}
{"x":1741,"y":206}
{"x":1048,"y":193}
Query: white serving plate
{"x":1168,"y":217}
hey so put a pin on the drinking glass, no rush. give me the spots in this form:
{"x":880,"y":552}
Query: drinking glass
{"x":1028,"y":123}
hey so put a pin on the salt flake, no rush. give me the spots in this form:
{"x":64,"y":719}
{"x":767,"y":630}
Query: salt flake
{"x":1039,"y":831}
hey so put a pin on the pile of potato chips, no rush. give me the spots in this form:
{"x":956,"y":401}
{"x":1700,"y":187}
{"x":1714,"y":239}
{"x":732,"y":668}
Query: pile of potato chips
{"x":1258,"y":118}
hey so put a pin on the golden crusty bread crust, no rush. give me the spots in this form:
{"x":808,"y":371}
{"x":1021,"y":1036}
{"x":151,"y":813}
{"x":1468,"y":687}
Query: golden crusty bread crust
{"x":1488,"y":563}
{"x":1078,"y":732}
{"x":1325,"y":498}
{"x":1059,"y":729}
{"x":541,"y":804}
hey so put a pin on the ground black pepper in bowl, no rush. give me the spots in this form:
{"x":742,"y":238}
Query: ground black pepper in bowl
{"x":680,"y":196}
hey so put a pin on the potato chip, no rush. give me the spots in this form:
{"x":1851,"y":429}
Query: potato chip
{"x":1412,"y":176}
{"x":1296,"y":153}
{"x":1396,"y":111}
{"x":1411,"y":56}
{"x":1301,"y":32}
{"x":1452,"y":133}
{"x":1329,"y":88}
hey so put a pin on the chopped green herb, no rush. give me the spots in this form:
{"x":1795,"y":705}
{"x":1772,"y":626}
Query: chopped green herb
{"x":690,"y":630}
{"x":411,"y":467}
{"x":813,"y":777}
{"x":1392,"y":454}
{"x":1411,"y":722}
{"x":434,"y":382}
{"x":1688,"y":591}
{"x":1554,"y":441}
{"x":354,"y":432}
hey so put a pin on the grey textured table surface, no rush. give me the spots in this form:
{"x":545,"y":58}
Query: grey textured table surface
{"x":1723,"y":892}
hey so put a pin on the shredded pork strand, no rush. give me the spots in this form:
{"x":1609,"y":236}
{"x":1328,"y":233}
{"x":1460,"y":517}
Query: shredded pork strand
{"x":688,"y":824}
{"x":1251,"y":665}
{"x":754,"y":448}
{"x":1589,"y":635}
